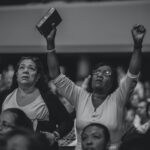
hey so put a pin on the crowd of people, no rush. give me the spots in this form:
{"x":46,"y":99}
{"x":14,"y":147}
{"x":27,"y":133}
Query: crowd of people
{"x":109,"y":110}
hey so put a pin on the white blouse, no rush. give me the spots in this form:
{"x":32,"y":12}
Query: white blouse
{"x":110,"y":112}
{"x":37,"y":110}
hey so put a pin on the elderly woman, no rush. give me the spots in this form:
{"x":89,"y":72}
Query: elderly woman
{"x":30,"y":93}
{"x":105,"y":102}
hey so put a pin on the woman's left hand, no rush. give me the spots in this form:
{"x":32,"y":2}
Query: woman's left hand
{"x":138,"y":33}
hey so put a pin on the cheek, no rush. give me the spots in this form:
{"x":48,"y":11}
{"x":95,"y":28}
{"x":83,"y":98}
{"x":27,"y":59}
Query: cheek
{"x":33,"y":75}
{"x":19,"y":73}
{"x":17,"y":76}
{"x":92,"y":82}
{"x":83,"y":144}
{"x":100,"y":144}
{"x":108,"y":83}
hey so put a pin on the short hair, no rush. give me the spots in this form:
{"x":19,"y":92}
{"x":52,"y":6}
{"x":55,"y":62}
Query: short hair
{"x":101,"y":126}
{"x":21,"y":118}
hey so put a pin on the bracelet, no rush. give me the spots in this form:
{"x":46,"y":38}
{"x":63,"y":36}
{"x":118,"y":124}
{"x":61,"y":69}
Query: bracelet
{"x":51,"y":50}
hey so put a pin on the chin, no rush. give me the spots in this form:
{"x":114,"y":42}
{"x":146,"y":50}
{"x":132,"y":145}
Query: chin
{"x":100,"y":88}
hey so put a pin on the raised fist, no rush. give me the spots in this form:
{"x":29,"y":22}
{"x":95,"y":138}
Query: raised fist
{"x":138,"y":33}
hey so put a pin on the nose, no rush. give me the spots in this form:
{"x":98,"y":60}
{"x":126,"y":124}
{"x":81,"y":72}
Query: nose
{"x":26,"y":70}
{"x":100,"y":74}
{"x":89,"y":141}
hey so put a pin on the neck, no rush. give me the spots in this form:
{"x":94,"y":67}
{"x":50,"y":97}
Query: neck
{"x":26,"y":90}
{"x":99,"y":96}
{"x":97,"y":99}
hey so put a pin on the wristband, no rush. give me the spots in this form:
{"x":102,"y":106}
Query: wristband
{"x":51,"y":50}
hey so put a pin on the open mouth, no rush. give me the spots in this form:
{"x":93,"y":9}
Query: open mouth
{"x":24,"y":77}
{"x":99,"y":80}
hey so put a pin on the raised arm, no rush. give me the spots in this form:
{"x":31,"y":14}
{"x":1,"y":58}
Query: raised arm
{"x":138,"y":33}
{"x":52,"y":61}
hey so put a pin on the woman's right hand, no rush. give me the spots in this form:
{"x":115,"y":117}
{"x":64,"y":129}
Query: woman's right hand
{"x":51,"y":39}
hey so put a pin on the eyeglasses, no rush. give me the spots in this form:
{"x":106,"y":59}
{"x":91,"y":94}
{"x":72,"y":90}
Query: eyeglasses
{"x":105,"y":73}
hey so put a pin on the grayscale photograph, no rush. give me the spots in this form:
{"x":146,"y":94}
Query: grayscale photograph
{"x":74,"y":75}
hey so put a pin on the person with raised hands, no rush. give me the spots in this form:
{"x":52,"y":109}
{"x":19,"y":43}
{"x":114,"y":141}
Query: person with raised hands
{"x":105,"y":100}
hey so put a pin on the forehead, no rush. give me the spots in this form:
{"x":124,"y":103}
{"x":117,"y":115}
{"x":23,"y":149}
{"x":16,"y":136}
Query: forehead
{"x":27,"y":62}
{"x":104,"y":67}
{"x":93,"y":129}
{"x":8,"y":117}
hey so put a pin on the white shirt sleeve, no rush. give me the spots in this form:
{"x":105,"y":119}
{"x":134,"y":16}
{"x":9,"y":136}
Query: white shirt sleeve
{"x":68,"y":89}
{"x":126,"y":87}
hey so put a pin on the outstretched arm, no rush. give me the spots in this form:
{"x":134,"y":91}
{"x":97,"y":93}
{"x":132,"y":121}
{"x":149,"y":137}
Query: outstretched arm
{"x":138,"y":33}
{"x":52,"y":61}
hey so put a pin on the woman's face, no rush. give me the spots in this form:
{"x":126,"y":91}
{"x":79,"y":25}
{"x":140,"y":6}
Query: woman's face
{"x":102,"y":78}
{"x":93,"y":138}
{"x":27,"y":73}
{"x":7,"y":122}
